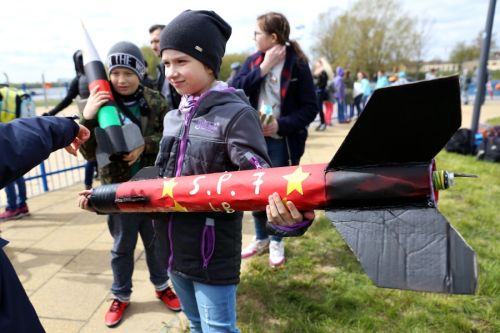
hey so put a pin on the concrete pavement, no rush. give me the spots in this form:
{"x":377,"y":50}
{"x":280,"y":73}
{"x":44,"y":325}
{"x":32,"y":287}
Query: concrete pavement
{"x":62,"y":255}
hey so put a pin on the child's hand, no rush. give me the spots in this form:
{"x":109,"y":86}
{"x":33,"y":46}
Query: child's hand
{"x":94,"y":102}
{"x":82,"y":136}
{"x":278,"y":213}
{"x":273,"y":56}
{"x":133,"y":155}
{"x":271,"y":129}
{"x":83,"y":200}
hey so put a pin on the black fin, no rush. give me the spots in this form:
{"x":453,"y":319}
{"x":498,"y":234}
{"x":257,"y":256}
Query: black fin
{"x":409,"y":248}
{"x":401,"y":124}
{"x":150,"y":172}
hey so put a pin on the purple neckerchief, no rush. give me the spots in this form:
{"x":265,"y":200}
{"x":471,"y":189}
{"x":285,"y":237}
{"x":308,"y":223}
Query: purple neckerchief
{"x":189,"y":101}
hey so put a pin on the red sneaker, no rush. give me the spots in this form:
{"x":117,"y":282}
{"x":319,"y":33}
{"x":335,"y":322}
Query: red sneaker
{"x":23,"y":211}
{"x":115,"y":313}
{"x":9,"y":215}
{"x":170,"y":299}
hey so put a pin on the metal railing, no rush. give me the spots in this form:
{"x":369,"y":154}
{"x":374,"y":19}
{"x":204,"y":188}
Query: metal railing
{"x":59,"y":170}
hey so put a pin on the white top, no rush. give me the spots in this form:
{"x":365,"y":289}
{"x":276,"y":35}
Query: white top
{"x":270,"y":92}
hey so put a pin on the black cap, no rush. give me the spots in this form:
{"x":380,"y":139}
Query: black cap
{"x":201,"y":34}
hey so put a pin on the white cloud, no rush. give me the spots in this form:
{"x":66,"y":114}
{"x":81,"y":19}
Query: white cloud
{"x":41,"y":36}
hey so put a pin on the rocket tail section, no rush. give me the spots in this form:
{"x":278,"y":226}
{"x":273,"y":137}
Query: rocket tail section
{"x":412,"y":248}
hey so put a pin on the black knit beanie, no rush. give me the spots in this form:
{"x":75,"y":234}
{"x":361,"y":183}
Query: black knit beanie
{"x":128,"y":55}
{"x":200,"y":33}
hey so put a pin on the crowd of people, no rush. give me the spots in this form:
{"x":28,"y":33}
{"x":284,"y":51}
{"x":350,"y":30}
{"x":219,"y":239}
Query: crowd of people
{"x":261,"y":115}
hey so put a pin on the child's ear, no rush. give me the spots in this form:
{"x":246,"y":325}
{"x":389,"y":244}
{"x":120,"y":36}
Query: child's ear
{"x":274,"y":37}
{"x":209,"y":70}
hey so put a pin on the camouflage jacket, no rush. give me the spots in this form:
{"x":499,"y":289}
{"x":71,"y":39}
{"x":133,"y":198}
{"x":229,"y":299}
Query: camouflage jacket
{"x":152,"y":129}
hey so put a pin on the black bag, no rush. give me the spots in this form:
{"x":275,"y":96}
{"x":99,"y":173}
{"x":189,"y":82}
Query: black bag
{"x":460,"y":142}
{"x":489,"y":149}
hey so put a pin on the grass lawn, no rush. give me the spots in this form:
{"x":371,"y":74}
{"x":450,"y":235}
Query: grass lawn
{"x":324,"y":289}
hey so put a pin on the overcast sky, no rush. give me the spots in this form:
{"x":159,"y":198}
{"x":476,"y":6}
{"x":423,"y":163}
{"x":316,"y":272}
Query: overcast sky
{"x":40,"y":36}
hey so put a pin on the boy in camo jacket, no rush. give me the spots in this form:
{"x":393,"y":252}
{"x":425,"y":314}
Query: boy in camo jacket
{"x":149,"y":109}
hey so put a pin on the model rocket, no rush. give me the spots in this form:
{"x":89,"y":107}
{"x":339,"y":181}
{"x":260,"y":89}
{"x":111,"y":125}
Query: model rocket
{"x":380,"y":190}
{"x":113,"y":138}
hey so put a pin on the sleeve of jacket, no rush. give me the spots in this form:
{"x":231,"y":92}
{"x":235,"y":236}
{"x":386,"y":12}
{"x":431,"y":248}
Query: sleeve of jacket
{"x":323,"y":80}
{"x":70,"y":96}
{"x":246,"y":144}
{"x":248,"y":79}
{"x":26,"y":142}
{"x":159,"y":106}
{"x":305,"y":103}
{"x":88,"y":148}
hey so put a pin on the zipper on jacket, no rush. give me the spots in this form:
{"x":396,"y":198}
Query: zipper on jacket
{"x":181,"y":152}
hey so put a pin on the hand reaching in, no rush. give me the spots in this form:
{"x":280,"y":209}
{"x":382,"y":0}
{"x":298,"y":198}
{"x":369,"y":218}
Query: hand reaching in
{"x":83,"y":200}
{"x":82,"y":136}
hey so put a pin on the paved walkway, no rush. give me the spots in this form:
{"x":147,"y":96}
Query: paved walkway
{"x":62,"y":255}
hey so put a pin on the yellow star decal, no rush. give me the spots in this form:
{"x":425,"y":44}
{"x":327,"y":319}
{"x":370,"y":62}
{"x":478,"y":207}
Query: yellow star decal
{"x":295,"y":180}
{"x":178,"y":207}
{"x":168,"y":188}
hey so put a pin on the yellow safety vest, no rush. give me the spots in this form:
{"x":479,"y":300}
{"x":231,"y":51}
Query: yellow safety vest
{"x":9,"y":103}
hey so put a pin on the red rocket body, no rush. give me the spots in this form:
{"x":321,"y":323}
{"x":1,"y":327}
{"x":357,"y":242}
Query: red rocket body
{"x":227,"y":191}
{"x":309,"y":187}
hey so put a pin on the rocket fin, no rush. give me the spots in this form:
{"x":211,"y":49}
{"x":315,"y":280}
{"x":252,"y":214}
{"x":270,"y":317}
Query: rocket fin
{"x":133,"y":136}
{"x":115,"y":141}
{"x":408,"y":248}
{"x":401,"y":124}
{"x":150,"y":172}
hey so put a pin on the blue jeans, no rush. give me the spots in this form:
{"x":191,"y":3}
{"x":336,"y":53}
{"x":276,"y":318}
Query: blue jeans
{"x":124,"y":228}
{"x":16,"y":199}
{"x":358,"y":104}
{"x":277,"y":151}
{"x":341,"y":112}
{"x":350,"y":110}
{"x":209,"y":308}
{"x":90,"y":167}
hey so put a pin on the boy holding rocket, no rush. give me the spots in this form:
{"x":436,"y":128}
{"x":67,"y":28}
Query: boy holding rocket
{"x":145,"y":108}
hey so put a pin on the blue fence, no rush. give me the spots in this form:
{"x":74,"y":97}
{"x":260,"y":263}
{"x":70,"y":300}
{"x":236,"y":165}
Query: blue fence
{"x":59,"y":170}
{"x":472,"y":88}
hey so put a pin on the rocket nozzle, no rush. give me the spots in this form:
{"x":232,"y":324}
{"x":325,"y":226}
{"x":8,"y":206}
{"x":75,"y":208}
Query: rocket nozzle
{"x":102,"y":199}
{"x":442,"y":179}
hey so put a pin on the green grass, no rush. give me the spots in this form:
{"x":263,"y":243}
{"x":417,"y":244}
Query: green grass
{"x":324,"y":289}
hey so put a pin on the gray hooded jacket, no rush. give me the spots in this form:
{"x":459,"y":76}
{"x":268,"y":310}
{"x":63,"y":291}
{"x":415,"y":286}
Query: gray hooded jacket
{"x":221,"y":133}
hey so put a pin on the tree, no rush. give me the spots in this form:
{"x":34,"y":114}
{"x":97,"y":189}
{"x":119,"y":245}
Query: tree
{"x":151,"y":59}
{"x":371,"y":35}
{"x":465,"y":52}
{"x":225,"y":68}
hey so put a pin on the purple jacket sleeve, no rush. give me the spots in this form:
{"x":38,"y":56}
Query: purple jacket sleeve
{"x":26,"y":142}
